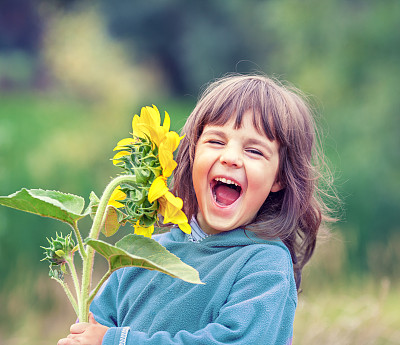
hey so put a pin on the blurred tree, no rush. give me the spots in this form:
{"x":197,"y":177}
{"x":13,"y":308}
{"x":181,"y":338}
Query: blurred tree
{"x":20,"y":27}
{"x":20,"y":37}
{"x":194,"y":41}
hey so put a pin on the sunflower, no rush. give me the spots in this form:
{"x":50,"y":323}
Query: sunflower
{"x":149,"y":156}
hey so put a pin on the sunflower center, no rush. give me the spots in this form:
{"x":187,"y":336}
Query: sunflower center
{"x":226,"y":194}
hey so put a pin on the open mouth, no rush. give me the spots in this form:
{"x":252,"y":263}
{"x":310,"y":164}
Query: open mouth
{"x":225,"y":191}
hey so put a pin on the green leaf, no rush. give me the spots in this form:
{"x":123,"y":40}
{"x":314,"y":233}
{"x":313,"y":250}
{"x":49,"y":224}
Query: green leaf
{"x":113,"y":220}
{"x":140,"y":251}
{"x":94,"y":202}
{"x":47,"y":203}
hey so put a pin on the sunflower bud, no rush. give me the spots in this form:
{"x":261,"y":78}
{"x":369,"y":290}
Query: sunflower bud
{"x":60,"y":248}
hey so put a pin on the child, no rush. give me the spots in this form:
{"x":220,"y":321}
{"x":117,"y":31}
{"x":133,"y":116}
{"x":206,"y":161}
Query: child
{"x":248,"y":178}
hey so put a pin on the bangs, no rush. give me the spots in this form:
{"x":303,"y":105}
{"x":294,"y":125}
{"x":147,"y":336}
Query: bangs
{"x":230,"y":100}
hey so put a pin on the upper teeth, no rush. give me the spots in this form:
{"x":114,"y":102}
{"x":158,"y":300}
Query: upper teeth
{"x":227,"y":181}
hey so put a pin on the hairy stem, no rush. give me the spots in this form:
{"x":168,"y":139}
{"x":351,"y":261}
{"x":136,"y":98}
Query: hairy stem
{"x":94,"y":234}
{"x":78,"y":236}
{"x":70,"y":261}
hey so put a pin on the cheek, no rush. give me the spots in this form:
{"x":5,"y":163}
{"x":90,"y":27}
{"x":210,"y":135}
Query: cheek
{"x":200,"y":164}
{"x":198,"y":174}
{"x":260,"y":186}
{"x":195,"y":170}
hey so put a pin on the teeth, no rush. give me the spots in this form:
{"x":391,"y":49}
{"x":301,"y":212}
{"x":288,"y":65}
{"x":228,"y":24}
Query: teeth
{"x":227,"y":181}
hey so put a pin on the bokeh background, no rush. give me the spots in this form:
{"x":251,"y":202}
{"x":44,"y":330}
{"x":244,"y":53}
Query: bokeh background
{"x":73,"y":73}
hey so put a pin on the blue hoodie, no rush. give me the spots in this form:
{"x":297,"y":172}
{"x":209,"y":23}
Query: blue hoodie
{"x":249,"y":296}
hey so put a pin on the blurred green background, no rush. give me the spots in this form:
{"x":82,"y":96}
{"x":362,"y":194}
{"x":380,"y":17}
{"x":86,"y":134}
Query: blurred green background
{"x":73,"y":73}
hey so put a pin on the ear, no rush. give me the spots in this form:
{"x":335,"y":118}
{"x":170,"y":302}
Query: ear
{"x":276,"y":187}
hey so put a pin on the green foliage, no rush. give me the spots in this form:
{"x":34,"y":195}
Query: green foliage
{"x":41,"y":146}
{"x":139,"y":251}
{"x":64,"y":207}
{"x":113,"y":221}
{"x":130,"y":251}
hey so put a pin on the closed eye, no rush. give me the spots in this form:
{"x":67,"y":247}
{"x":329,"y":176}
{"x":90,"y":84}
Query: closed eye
{"x":255,"y":152}
{"x":216,"y":142}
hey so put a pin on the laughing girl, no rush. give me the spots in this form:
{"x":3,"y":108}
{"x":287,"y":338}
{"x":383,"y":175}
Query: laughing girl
{"x":248,"y":175}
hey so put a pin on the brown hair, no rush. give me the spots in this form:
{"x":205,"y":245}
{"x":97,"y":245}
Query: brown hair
{"x":294,"y":213}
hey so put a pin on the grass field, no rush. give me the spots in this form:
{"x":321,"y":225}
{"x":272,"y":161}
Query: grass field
{"x":356,"y":313}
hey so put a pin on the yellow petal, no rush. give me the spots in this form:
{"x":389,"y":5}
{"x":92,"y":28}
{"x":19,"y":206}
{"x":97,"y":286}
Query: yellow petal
{"x":185,"y":227}
{"x":155,"y":115}
{"x":167,"y":161}
{"x":172,"y":140}
{"x":161,"y":206}
{"x":152,"y":120}
{"x":167,"y":122}
{"x":119,"y":155}
{"x":138,"y":128}
{"x":117,"y":194}
{"x":144,"y":231}
{"x":174,"y":200}
{"x":150,"y":116}
{"x":171,"y":213}
{"x":157,"y":189}
{"x":166,"y":149}
{"x":122,"y":144}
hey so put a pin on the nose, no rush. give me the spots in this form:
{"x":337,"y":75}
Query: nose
{"x":231,"y":157}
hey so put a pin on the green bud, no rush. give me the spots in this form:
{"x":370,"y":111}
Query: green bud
{"x":56,"y":254}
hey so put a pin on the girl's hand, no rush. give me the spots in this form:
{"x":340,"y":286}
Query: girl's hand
{"x":87,"y":333}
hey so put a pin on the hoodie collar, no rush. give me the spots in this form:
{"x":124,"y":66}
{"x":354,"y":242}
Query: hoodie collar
{"x":235,"y":237}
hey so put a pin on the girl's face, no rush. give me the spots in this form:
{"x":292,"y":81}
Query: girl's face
{"x":234,"y":170}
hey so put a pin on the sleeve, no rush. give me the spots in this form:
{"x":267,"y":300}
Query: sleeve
{"x":105,"y":311}
{"x":259,"y":310}
{"x":104,"y":305}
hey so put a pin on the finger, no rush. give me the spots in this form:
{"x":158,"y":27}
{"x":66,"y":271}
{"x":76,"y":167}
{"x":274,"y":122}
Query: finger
{"x":78,"y":328}
{"x":92,"y":319}
{"x":67,"y":341}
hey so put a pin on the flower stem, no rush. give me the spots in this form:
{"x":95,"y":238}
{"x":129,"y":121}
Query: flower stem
{"x":94,"y":234}
{"x":78,"y":236}
{"x":70,"y":261}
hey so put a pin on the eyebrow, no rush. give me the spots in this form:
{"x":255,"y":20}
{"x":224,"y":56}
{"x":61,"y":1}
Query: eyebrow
{"x":251,"y":141}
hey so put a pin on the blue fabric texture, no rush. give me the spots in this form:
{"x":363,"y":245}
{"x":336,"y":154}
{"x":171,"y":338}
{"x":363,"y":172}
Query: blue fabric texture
{"x":249,"y":295}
